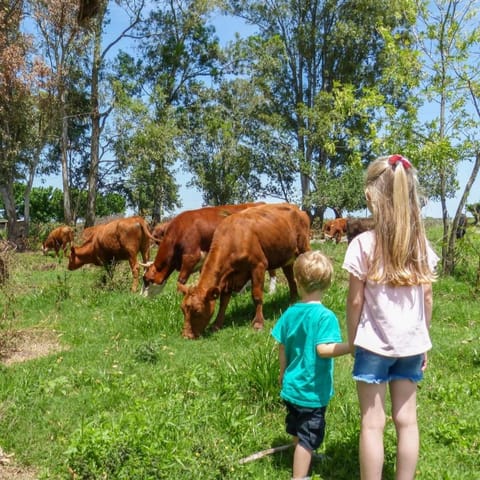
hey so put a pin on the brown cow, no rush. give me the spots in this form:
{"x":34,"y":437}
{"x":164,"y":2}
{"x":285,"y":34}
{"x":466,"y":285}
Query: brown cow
{"x":355,"y":226}
{"x":185,"y":243}
{"x":118,"y":240}
{"x":58,"y":238}
{"x":335,"y":229}
{"x":244,"y":246}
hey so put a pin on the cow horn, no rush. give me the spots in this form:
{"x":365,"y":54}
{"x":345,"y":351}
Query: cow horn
{"x":145,"y":265}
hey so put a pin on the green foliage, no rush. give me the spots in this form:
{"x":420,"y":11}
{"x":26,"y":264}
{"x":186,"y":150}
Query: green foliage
{"x":46,"y":203}
{"x":336,"y":77}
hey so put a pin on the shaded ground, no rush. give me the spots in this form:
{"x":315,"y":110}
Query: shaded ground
{"x":21,"y":346}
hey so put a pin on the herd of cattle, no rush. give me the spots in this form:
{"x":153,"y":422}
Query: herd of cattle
{"x":230,"y":245}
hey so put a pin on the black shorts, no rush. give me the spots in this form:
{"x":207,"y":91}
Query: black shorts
{"x":308,"y":424}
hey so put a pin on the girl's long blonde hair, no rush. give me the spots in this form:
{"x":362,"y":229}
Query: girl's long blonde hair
{"x":400,"y":256}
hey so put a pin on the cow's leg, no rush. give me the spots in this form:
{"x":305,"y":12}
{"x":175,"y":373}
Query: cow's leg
{"x":224,"y":300}
{"x":288,"y":271}
{"x":190,"y":263}
{"x":258,"y":278}
{"x":135,"y":268}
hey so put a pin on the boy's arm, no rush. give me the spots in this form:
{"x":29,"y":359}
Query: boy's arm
{"x":282,"y":359}
{"x":329,"y":350}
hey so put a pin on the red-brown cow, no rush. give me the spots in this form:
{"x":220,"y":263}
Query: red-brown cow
{"x":118,"y":240}
{"x":335,"y":229}
{"x":355,"y":226}
{"x":244,"y":246}
{"x":58,"y":238}
{"x":185,"y":243}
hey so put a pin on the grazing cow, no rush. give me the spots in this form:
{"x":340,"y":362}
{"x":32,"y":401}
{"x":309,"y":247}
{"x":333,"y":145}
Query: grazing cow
{"x":335,"y":229}
{"x":58,"y":238}
{"x":462,"y":226}
{"x":118,"y":240}
{"x":185,"y":243}
{"x":244,"y":246}
{"x":355,"y":226}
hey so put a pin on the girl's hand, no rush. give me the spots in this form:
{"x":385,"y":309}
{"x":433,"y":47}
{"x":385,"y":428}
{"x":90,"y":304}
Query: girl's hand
{"x":425,"y":362}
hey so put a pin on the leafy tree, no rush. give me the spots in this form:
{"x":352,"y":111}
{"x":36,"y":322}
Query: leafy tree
{"x":226,"y":146}
{"x":21,"y":84}
{"x":305,"y":50}
{"x":62,"y":42}
{"x":146,"y":155}
{"x":449,"y":38}
{"x":99,"y":115}
{"x":177,"y":51}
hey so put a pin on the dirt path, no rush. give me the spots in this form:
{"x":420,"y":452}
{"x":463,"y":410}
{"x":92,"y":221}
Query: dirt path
{"x":22,"y":346}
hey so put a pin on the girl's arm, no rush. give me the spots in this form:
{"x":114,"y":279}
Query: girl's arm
{"x":355,"y":300}
{"x":282,"y":358}
{"x":428,"y":305}
{"x":329,"y":350}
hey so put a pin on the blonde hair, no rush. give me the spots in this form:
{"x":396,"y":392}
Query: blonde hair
{"x":313,"y":271}
{"x":400,"y":256}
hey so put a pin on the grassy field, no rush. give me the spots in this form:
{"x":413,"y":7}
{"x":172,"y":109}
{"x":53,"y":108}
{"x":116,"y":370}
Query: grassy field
{"x":127,"y":398}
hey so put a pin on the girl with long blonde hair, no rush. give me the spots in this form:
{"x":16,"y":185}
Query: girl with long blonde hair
{"x":389,"y":309}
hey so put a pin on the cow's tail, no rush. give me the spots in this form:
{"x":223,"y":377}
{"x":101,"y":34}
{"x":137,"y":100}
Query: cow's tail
{"x":146,"y":231}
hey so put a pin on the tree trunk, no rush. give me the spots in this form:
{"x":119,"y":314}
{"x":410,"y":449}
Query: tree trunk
{"x":67,"y":208}
{"x":13,"y":230}
{"x":449,"y":263}
{"x":96,"y":128}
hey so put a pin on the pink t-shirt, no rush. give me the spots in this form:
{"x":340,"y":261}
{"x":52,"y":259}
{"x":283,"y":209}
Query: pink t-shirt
{"x":392,"y":322}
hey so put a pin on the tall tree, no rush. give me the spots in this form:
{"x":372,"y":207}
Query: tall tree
{"x":62,"y":43}
{"x":449,"y":39}
{"x":228,"y":146}
{"x":19,"y":80}
{"x":304,"y":48}
{"x":145,"y":150}
{"x":178,"y":51}
{"x":98,"y":118}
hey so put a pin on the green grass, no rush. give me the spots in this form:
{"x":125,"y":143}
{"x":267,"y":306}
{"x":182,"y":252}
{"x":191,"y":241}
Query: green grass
{"x":128,"y":398}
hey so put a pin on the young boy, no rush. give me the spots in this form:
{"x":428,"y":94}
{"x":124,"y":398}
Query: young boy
{"x":309,"y":337}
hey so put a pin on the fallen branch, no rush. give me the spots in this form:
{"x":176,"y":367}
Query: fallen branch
{"x":264,"y":453}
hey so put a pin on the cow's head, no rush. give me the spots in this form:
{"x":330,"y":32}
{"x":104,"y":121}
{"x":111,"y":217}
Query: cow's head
{"x":197,"y":306}
{"x":153,"y":282}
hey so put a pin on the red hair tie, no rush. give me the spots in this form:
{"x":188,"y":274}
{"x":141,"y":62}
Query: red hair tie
{"x":394,"y":159}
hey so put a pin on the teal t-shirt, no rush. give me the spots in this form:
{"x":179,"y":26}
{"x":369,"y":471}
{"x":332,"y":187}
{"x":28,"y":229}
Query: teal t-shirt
{"x":308,"y":378}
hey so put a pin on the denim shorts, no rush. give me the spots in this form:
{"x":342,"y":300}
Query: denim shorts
{"x":308,"y":424}
{"x":370,"y":367}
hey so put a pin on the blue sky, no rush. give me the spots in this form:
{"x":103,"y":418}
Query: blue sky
{"x":226,"y":28}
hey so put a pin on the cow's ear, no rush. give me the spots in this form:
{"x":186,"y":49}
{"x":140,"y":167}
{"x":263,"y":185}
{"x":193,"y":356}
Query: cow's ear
{"x":182,"y":288}
{"x":213,"y":293}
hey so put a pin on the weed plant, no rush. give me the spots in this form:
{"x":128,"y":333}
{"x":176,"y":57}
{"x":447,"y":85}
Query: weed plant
{"x":129,"y":398}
